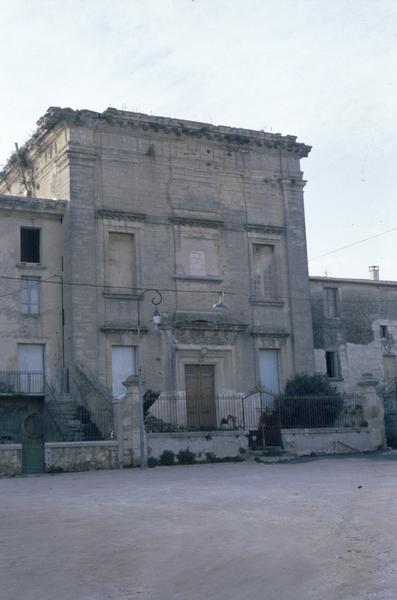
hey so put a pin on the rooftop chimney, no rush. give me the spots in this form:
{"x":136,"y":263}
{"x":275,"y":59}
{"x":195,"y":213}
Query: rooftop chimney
{"x":374,"y":270}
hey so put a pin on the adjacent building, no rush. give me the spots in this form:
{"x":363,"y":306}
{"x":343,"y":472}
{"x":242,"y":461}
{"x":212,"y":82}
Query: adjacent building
{"x":355,"y":329}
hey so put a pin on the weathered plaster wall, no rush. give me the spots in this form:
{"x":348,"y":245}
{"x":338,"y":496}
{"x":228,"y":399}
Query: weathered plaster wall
{"x":10,"y":459}
{"x":223,"y":444}
{"x":301,"y":442}
{"x":81,"y":456}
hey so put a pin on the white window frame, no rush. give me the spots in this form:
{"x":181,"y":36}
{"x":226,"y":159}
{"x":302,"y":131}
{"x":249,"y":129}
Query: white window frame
{"x":29,"y":286}
{"x":332,"y":311}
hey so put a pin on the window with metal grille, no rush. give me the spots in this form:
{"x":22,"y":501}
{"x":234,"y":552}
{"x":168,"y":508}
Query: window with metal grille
{"x":30,"y":245}
{"x":331,"y":302}
{"x":263,"y":270}
{"x":30,"y":295}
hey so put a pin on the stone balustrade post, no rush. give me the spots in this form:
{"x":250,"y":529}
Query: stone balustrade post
{"x":118,"y":425}
{"x":373,"y":410}
{"x":131,"y":422}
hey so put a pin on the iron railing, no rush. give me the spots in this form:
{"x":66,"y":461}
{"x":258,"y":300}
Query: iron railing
{"x":81,"y":426}
{"x":301,"y":412}
{"x":173,"y":412}
{"x":21,"y":382}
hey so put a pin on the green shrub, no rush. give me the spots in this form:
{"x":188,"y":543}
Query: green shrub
{"x":152,"y":462}
{"x":309,"y":401}
{"x":308,"y":411}
{"x":308,"y":384}
{"x":167,"y":458}
{"x":211,"y":457}
{"x":185,"y":457}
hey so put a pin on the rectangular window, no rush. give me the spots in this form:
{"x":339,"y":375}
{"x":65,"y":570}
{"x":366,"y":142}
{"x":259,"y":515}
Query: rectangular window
{"x":383,"y":331}
{"x":123,"y":365}
{"x":197,"y":257}
{"x":332,"y":364}
{"x":197,"y":263}
{"x":331,"y":302}
{"x":263,"y":270}
{"x":30,"y":245}
{"x":122,"y":261}
{"x":30,"y":295}
{"x":269,"y":370}
{"x":31,"y":368}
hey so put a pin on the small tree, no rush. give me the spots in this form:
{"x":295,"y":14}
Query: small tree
{"x":309,"y":401}
{"x":308,"y":384}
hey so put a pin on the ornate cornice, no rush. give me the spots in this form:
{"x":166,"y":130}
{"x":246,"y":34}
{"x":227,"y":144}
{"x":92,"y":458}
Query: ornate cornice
{"x":109,"y":213}
{"x":259,"y":228}
{"x":40,"y":206}
{"x":269,"y":333}
{"x":122,"y":328}
{"x":210,"y":326}
{"x":197,"y":222}
{"x":266,"y":302}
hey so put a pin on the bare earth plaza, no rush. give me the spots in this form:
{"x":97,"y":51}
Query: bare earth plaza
{"x":324,"y":528}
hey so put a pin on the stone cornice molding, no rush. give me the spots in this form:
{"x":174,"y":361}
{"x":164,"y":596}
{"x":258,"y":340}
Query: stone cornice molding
{"x":292,"y":182}
{"x":269,"y":333}
{"x":197,"y":222}
{"x":122,"y":328}
{"x":39,"y":206}
{"x":109,"y":213}
{"x":210,"y":326}
{"x":259,"y":228}
{"x":236,"y":138}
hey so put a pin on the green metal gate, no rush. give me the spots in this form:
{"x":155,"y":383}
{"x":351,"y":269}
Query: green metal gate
{"x":33,"y":444}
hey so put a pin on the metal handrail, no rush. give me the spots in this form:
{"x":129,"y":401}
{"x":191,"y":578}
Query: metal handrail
{"x":22,"y":382}
{"x":390,"y":387}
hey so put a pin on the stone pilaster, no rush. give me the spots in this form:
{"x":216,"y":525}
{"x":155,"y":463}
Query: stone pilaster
{"x":131,"y":423}
{"x":373,"y":410}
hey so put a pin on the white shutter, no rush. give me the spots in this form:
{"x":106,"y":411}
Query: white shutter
{"x":123,"y":365}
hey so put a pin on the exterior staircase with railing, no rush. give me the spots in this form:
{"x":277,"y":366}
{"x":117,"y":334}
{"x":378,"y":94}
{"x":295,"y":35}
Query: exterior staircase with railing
{"x":63,"y":417}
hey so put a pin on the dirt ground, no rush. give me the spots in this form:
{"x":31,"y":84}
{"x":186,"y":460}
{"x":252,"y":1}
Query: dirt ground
{"x":323,"y":529}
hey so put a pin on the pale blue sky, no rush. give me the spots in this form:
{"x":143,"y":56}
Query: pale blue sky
{"x":323,"y":70}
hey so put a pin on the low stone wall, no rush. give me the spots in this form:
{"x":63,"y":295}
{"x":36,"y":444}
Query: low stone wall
{"x":10,"y":459}
{"x":81,"y":456}
{"x":224,"y":444}
{"x":335,"y":440}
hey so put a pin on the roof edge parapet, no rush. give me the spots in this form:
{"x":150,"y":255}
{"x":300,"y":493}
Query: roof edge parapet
{"x":372,"y":282}
{"x":32,"y":204}
{"x":231,"y":135}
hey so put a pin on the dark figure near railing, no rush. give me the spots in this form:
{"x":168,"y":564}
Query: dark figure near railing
{"x":269,"y":429}
{"x":149,"y":398}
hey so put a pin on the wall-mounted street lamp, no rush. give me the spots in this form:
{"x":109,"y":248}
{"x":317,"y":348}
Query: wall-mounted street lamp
{"x":156,"y":318}
{"x":221,"y":304}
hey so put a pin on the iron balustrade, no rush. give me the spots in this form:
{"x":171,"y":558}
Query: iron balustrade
{"x":171,"y":412}
{"x":22,"y":382}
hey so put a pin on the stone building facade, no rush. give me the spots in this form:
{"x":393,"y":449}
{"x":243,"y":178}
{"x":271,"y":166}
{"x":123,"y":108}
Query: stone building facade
{"x":186,"y":208}
{"x":355,"y":329}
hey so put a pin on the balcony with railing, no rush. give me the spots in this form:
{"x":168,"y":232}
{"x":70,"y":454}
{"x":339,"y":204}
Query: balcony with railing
{"x":27,"y":383}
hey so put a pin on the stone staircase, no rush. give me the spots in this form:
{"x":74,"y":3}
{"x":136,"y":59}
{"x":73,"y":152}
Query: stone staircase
{"x":72,"y":422}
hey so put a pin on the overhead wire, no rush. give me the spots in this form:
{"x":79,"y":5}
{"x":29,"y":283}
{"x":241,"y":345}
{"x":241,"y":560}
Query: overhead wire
{"x":371,"y":237}
{"x":205,"y":293}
